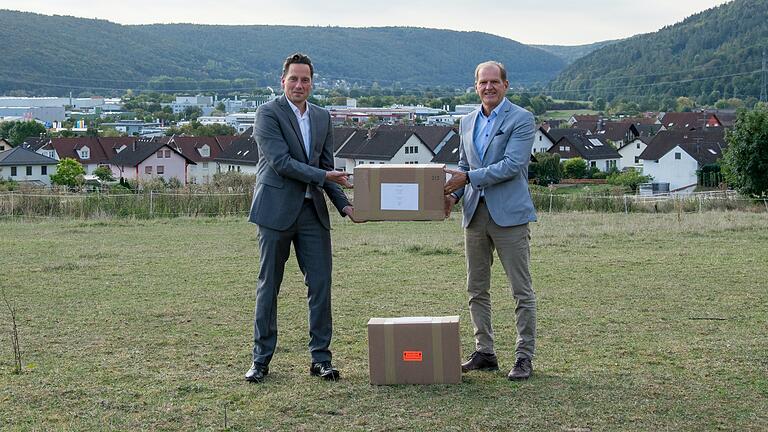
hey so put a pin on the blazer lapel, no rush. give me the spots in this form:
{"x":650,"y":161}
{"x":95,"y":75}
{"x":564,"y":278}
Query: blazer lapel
{"x":315,"y":130}
{"x":294,"y":124}
{"x":469,"y":137}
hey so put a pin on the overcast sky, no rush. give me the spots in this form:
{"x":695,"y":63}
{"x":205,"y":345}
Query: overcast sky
{"x":557,"y":22}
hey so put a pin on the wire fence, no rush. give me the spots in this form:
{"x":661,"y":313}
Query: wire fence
{"x":152,"y":204}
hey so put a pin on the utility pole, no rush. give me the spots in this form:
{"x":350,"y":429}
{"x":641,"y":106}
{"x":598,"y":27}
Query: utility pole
{"x":763,"y":95}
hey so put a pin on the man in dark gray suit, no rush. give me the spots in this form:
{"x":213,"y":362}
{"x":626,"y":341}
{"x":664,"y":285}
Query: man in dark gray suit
{"x":295,"y":143}
{"x":494,"y":151}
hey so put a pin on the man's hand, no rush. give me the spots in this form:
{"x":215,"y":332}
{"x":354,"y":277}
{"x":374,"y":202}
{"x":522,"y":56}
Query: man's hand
{"x":457,"y":181}
{"x":450,"y":201}
{"x":350,"y":212}
{"x":338,"y":177}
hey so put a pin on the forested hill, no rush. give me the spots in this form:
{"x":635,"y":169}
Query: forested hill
{"x":571,"y":53}
{"x":713,"y":54}
{"x":57,"y":54}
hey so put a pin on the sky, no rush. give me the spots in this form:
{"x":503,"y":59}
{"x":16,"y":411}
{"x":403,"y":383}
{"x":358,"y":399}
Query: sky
{"x":553,"y":22}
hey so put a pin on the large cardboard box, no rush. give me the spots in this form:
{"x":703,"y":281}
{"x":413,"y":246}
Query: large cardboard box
{"x":414,"y":350}
{"x":399,"y":192}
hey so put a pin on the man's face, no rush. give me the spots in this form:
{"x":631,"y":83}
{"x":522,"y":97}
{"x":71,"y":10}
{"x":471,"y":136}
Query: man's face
{"x":297,"y":83}
{"x":490,"y":87}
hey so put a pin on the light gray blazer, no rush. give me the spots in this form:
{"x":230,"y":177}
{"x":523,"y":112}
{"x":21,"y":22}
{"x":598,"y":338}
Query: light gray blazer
{"x":284,"y":170}
{"x":502,"y":172}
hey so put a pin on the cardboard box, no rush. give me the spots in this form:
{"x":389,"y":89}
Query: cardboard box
{"x":399,"y":192}
{"x":414,"y":350}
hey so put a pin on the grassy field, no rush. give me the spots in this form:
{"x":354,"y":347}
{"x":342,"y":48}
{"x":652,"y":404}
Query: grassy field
{"x":646,"y":322}
{"x":566,"y":114}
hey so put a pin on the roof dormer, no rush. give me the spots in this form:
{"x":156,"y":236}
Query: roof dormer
{"x":84,"y":152}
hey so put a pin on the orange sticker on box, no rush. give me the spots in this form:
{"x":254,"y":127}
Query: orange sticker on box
{"x":412,"y":356}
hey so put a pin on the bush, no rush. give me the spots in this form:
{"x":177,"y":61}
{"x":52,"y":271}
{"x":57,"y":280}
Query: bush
{"x":598,"y":175}
{"x":575,"y":168}
{"x":630,"y":179}
{"x":548,"y":169}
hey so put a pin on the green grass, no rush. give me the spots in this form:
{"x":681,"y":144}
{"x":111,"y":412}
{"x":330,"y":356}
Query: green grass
{"x":646,"y":322}
{"x":566,"y":114}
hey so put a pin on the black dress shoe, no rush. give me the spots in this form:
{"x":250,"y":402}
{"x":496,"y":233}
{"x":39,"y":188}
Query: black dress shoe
{"x":480,"y":361}
{"x":522,"y":370}
{"x":324,"y":370}
{"x":257,"y":372}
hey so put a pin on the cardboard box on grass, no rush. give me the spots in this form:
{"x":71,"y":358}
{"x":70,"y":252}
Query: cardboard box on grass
{"x":399,"y":192}
{"x":414,"y":350}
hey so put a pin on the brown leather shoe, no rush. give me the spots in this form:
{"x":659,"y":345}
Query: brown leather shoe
{"x":522,"y":370}
{"x":480,"y":361}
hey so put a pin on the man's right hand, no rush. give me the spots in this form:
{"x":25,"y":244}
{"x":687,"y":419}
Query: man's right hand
{"x":338,"y":177}
{"x":450,"y":201}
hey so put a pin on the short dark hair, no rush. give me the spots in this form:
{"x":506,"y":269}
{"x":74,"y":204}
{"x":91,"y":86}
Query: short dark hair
{"x":298,"y":58}
{"x":501,"y":67}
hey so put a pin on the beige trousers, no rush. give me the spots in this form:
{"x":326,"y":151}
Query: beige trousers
{"x":481,"y":238}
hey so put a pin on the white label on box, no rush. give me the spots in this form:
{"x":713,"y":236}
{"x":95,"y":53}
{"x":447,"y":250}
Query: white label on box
{"x":400,"y":196}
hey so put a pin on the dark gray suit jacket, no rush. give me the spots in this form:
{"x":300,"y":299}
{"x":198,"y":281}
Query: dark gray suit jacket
{"x":284,"y":170}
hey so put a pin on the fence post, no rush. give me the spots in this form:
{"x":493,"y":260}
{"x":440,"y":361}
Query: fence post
{"x":626,"y":207}
{"x":550,"y":202}
{"x":151,"y":204}
{"x":699,"y":203}
{"x":765,"y":201}
{"x":11,"y":204}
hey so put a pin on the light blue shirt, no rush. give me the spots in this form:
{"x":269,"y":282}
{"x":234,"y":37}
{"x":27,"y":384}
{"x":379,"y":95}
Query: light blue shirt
{"x":483,"y":127}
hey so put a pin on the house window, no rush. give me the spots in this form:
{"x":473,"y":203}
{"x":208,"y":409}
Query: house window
{"x":160,"y":154}
{"x":540,"y":137}
{"x":148,"y":169}
{"x":167,"y":153}
{"x":44,"y":170}
{"x":415,"y":149}
{"x":2,"y":147}
{"x":567,"y":148}
{"x":161,"y":169}
{"x":638,"y":146}
{"x":677,"y":155}
{"x":85,"y":153}
{"x":29,"y":170}
{"x":205,"y":165}
{"x":637,"y":159}
{"x":13,"y":171}
{"x":593,"y":164}
{"x":562,"y":148}
{"x":205,"y":151}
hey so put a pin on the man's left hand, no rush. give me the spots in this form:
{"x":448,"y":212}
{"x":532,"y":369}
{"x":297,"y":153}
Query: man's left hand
{"x":457,"y":181}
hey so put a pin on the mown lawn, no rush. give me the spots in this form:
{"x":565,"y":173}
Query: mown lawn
{"x":646,"y":322}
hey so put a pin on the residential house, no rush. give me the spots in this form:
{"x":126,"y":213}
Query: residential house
{"x":5,"y":145}
{"x":590,"y":123}
{"x":618,"y":133}
{"x":631,"y":151}
{"x":25,"y":166}
{"x":689,"y":120}
{"x":385,"y":146}
{"x":449,"y":153}
{"x":241,"y":156}
{"x":342,"y":134}
{"x":595,"y":150}
{"x":434,"y":136}
{"x":542,"y":141}
{"x":674,"y":156}
{"x":146,"y":159}
{"x":86,"y":150}
{"x":201,"y":150}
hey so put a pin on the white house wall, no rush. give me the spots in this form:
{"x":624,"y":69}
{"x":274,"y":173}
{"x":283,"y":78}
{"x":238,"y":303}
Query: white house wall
{"x":677,"y":172}
{"x":630,"y":152}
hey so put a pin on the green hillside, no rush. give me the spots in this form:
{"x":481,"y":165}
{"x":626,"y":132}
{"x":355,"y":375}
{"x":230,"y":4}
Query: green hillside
{"x":571,"y":53}
{"x":56,"y":54}
{"x":711,"y":55}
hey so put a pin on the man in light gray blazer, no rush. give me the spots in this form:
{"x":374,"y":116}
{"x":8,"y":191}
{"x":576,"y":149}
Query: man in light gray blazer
{"x":295,"y":144}
{"x":492,"y":178}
